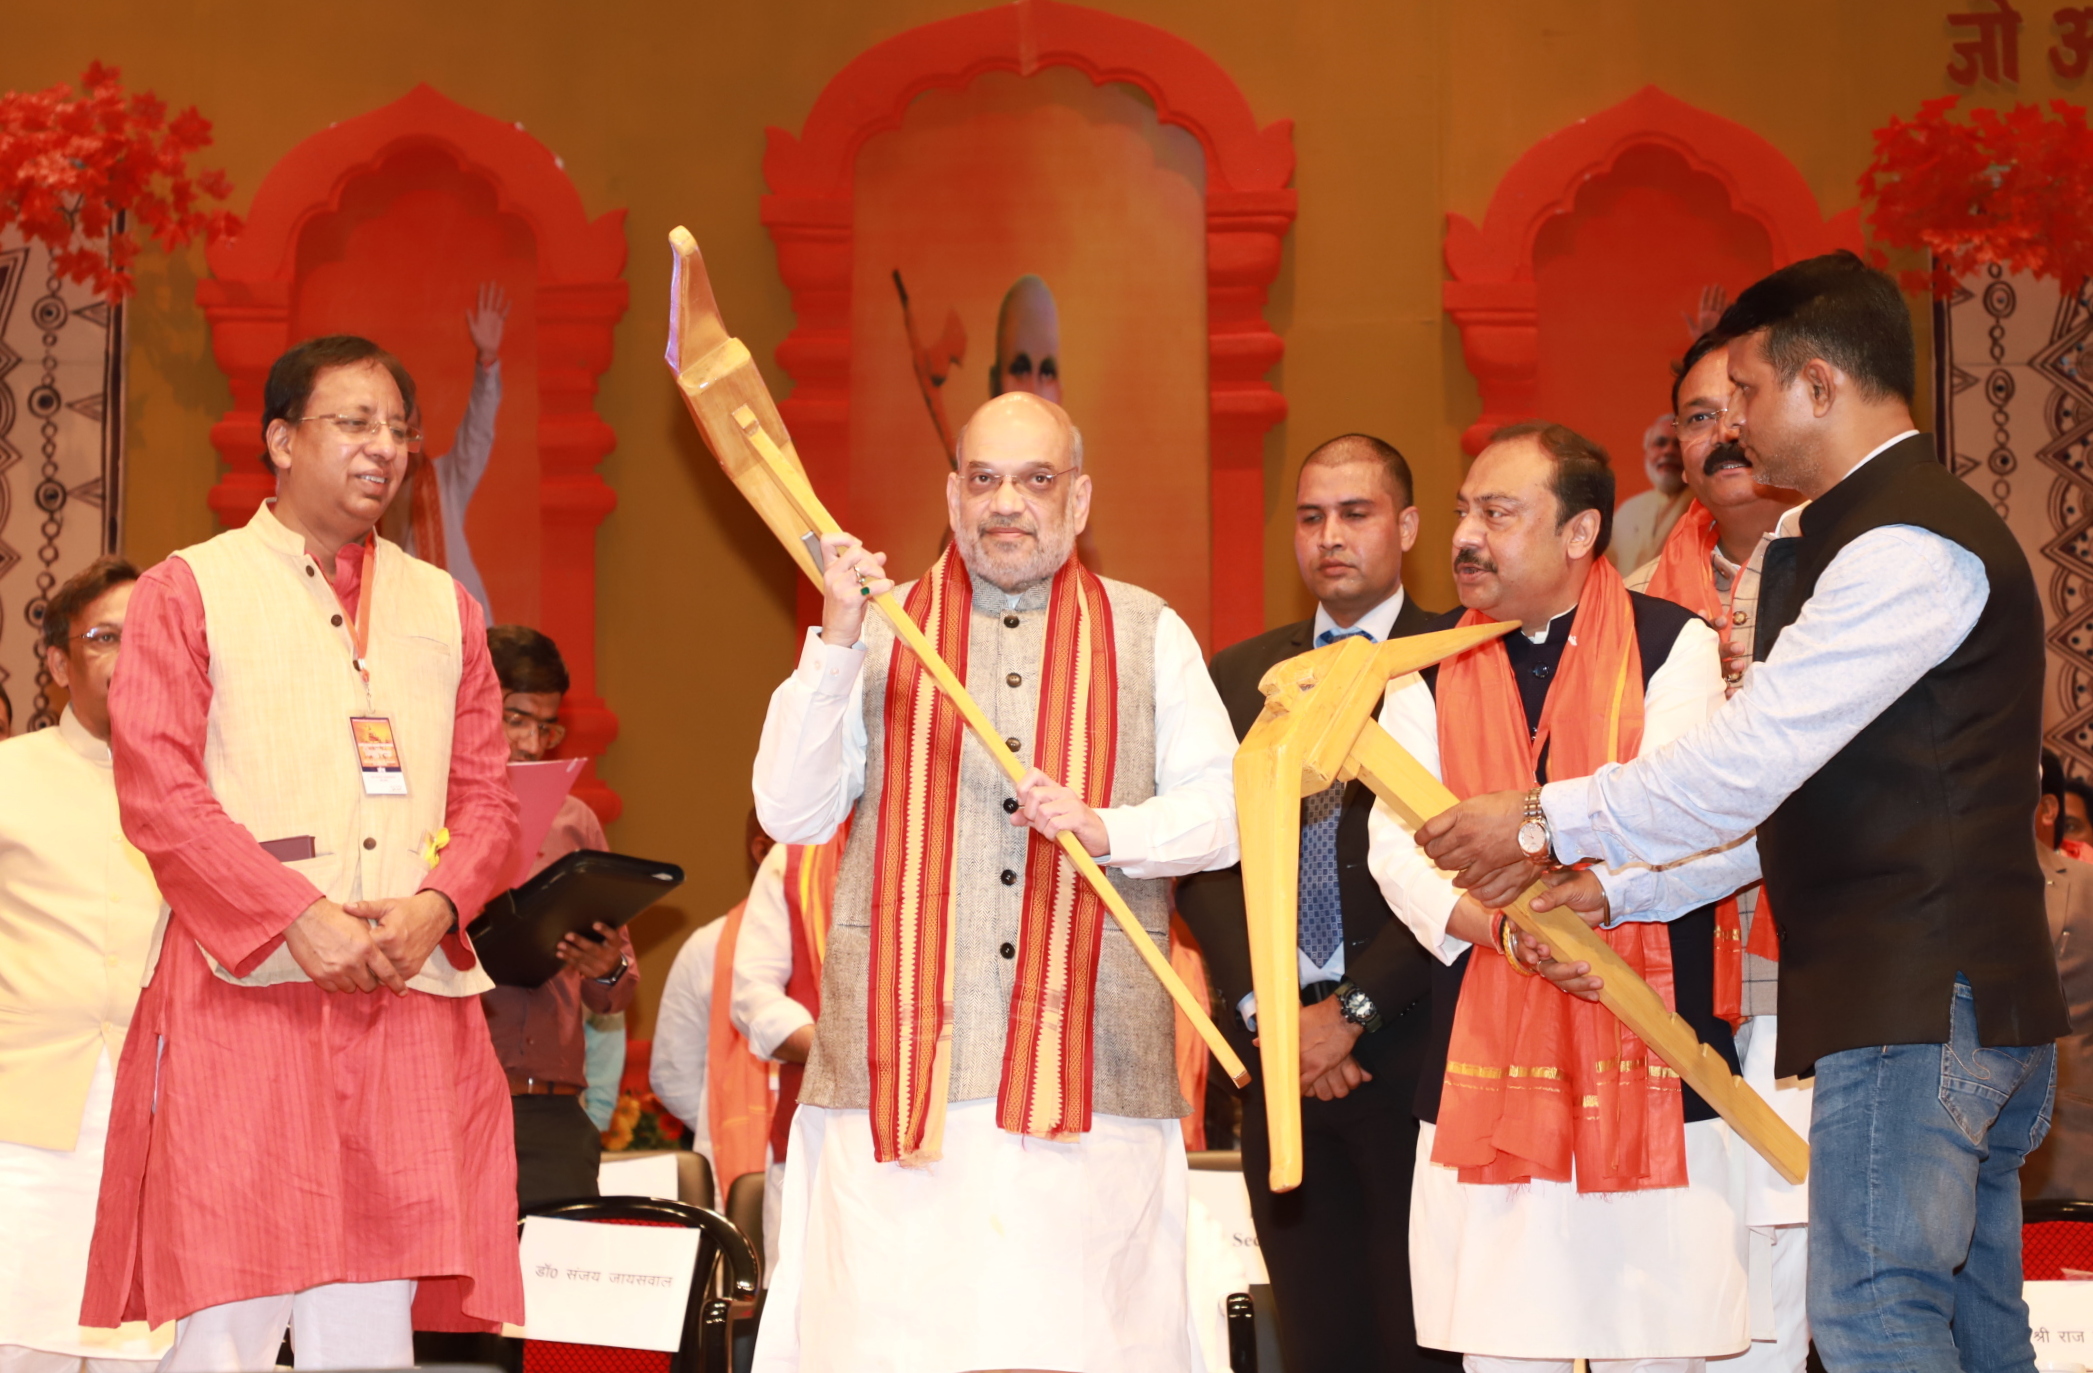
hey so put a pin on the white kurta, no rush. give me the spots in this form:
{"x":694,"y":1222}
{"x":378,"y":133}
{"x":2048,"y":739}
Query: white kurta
{"x":1010,"y":1252}
{"x":78,"y":911}
{"x":1643,"y":1275}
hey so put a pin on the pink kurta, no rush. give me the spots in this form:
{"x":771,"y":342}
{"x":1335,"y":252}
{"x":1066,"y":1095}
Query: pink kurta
{"x":269,"y":1139}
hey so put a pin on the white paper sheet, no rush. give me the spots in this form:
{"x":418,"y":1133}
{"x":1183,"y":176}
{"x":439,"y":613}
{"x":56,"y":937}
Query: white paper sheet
{"x":626,"y":1286}
{"x":651,"y":1176}
{"x":1225,"y":1197}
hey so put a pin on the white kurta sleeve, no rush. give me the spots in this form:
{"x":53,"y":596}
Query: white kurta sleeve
{"x":1189,"y":824}
{"x":683,"y":1030}
{"x":1421,"y":896}
{"x":810,"y":765}
{"x":762,"y":1012}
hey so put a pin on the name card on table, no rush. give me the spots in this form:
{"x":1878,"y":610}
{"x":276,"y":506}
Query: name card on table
{"x":651,"y":1175}
{"x":620,"y":1285}
{"x":2061,"y":1317}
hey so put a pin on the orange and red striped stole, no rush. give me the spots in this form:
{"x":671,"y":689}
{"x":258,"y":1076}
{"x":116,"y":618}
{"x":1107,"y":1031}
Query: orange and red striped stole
{"x":737,"y":1083}
{"x":1045,"y":1087}
{"x":1540,"y":1084}
{"x":810,"y":904}
{"x":1685,"y":574}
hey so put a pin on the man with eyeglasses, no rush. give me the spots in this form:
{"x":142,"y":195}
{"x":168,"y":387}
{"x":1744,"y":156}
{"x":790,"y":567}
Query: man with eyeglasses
{"x":312,"y":1127}
{"x":538,"y":1031}
{"x":1711,"y":563}
{"x":78,"y":911}
{"x":986,"y":1170}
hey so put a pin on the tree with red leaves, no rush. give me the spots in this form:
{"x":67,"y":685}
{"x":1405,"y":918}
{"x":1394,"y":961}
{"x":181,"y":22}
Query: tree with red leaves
{"x":70,"y":165}
{"x":2013,"y":188}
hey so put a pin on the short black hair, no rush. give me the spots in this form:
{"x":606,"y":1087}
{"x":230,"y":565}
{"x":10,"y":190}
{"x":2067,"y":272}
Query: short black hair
{"x":291,"y":378}
{"x":80,"y":591}
{"x":1583,"y":473}
{"x":2053,"y":786}
{"x":1702,"y":346}
{"x":1366,"y":448}
{"x":1837,"y":308}
{"x":526,"y":660}
{"x":2082,"y":789}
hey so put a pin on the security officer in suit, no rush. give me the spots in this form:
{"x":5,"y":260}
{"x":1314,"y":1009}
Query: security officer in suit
{"x":1337,"y":1247}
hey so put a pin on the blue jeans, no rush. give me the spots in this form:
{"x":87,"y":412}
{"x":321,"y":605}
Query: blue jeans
{"x":1915,"y":1154}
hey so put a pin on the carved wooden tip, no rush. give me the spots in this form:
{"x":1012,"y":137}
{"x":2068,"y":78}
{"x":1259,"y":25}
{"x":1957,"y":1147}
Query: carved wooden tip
{"x":682,"y":241}
{"x":746,"y":418}
{"x":1242,"y":1079}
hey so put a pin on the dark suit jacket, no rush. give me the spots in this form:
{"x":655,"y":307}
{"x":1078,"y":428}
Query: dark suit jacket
{"x":1380,"y":953}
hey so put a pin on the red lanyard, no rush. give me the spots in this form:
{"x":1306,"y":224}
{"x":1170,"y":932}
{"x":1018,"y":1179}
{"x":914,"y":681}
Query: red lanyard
{"x":361,"y":634}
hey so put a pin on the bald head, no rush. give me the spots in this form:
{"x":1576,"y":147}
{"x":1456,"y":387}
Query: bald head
{"x":1028,"y":341}
{"x":1021,"y":421}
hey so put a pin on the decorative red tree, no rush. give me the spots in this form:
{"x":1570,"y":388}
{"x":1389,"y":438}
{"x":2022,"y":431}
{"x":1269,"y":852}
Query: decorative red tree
{"x":2013,"y":188}
{"x":71,"y":165}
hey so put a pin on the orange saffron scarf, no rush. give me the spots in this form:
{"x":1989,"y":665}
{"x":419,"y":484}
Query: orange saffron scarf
{"x":1045,"y":1087}
{"x":1540,"y":1084}
{"x":1685,"y":574}
{"x":737,"y":1083}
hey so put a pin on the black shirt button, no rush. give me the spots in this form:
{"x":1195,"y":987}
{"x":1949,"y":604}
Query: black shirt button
{"x":1010,"y":805}
{"x":1539,"y":670}
{"x":1009,"y":878}
{"x":1010,"y":622}
{"x":311,"y":571}
{"x":370,"y":843}
{"x":1013,"y":680}
{"x":1012,"y":744}
{"x":336,"y":621}
{"x":1008,"y":951}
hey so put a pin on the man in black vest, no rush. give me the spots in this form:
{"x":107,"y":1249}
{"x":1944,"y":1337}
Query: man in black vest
{"x":1337,"y":1247}
{"x":1885,"y":746}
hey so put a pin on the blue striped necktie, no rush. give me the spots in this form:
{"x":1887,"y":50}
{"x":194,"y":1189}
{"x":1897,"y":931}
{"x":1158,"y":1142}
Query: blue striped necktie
{"x":1322,"y":903}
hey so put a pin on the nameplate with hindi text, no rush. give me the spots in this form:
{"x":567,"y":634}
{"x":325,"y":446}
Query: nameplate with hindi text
{"x":626,"y":1286}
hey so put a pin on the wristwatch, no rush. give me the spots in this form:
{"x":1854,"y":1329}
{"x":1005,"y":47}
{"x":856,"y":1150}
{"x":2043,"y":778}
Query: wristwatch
{"x":610,"y":979}
{"x":1535,"y":840}
{"x":1356,"y":1006}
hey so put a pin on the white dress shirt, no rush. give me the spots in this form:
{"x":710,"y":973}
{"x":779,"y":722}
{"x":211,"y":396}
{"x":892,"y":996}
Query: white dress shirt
{"x":1891,"y":606}
{"x":810,"y":766}
{"x":683,"y":1034}
{"x":762,"y":1012}
{"x":1684,"y":691}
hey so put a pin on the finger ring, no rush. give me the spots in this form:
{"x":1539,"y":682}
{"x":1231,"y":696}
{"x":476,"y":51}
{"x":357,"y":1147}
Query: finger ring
{"x":862,"y":576}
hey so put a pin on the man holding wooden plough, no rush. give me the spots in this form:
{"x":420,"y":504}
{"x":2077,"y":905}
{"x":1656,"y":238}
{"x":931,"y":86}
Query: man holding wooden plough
{"x":1884,"y":747}
{"x":986,"y":1171}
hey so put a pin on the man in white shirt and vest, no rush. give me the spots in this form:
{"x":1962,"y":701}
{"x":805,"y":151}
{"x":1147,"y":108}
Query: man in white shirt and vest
{"x":986,"y":1170}
{"x":77,"y":913}
{"x":310,"y":1125}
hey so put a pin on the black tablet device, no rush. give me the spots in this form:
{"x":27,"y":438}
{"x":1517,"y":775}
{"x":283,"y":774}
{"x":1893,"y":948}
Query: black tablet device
{"x":518,"y":931}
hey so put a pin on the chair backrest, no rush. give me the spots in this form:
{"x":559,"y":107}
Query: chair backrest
{"x":745,"y":1209}
{"x":721,"y":1246}
{"x":2054,"y":1236}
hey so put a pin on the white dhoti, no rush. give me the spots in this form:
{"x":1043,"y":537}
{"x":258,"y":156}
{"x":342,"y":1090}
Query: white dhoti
{"x":47,"y":1205}
{"x":1542,"y":1271}
{"x":1009,"y":1252}
{"x":1778,"y":1212}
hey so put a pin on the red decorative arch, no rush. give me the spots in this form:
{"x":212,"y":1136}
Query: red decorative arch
{"x":579,"y":297}
{"x":1492,"y":296}
{"x":1249,"y":207}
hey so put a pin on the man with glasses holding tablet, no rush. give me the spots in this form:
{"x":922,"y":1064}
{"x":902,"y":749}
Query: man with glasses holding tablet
{"x":310,"y":1125}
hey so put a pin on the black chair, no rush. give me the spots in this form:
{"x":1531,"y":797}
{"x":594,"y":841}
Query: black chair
{"x":745,"y":1208}
{"x":725,"y":1301}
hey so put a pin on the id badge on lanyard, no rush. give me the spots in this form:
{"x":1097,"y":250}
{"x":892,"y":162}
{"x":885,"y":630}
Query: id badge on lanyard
{"x":377,"y":748}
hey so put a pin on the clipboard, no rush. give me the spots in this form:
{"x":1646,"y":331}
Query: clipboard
{"x":516,"y":935}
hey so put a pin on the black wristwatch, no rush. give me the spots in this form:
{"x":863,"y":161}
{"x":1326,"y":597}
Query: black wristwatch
{"x":1356,"y":1006}
{"x":610,"y":979}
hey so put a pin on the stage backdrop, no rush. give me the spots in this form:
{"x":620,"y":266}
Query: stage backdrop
{"x":61,"y":455}
{"x":2016,"y":421}
{"x":1080,"y":186}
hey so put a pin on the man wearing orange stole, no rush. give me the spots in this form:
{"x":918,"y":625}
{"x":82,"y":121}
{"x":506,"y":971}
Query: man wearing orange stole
{"x":986,"y":1169}
{"x":1570,"y":1199}
{"x":1710,"y":563}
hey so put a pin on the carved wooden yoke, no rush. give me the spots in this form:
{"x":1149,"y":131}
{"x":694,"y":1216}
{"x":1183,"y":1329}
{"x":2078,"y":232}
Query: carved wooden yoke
{"x":1318,"y":728}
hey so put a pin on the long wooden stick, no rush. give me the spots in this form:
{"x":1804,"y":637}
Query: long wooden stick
{"x":1417,"y":796}
{"x":727,"y":397}
{"x":801,"y":494}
